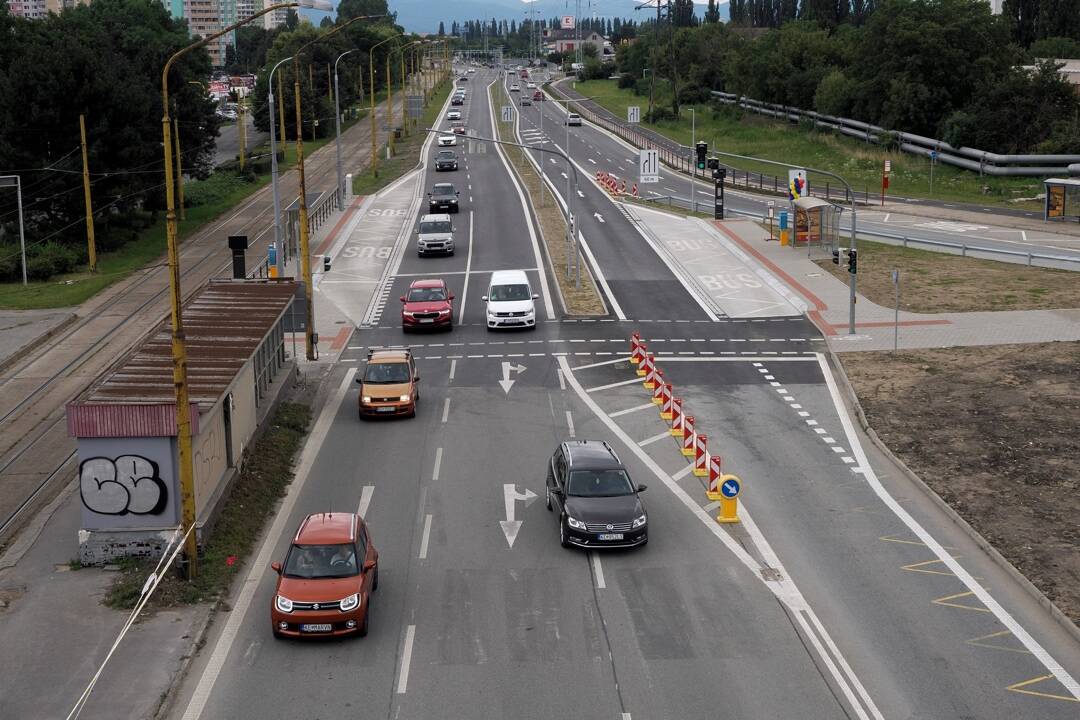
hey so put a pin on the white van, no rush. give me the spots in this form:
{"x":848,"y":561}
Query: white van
{"x":435,"y":235}
{"x":510,"y":300}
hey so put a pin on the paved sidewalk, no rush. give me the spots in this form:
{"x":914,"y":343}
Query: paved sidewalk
{"x":827,"y":300}
{"x":21,"y":330}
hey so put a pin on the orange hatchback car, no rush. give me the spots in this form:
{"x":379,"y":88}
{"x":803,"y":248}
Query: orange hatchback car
{"x":324,"y":586}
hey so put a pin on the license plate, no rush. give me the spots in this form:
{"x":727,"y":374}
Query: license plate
{"x":319,"y":627}
{"x":384,"y":409}
{"x":610,"y":536}
{"x":427,"y":320}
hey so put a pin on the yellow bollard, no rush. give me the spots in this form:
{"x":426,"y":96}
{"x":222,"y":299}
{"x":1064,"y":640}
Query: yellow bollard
{"x":730,"y":487}
{"x":784,"y":238}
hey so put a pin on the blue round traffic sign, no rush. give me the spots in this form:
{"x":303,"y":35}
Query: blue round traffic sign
{"x":730,"y":487}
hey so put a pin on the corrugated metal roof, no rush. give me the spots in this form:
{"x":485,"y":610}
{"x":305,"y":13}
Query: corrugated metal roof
{"x":224,"y":324}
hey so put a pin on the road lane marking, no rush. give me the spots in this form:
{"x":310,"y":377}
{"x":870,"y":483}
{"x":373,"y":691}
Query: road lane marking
{"x":600,"y":278}
{"x":453,"y":369}
{"x":468,"y":269}
{"x":654,"y":438}
{"x":624,"y":358}
{"x":438,"y":464}
{"x":205,"y":685}
{"x":991,"y":605}
{"x":683,"y":473}
{"x":627,"y":411}
{"x":406,"y":659}
{"x":425,"y":538}
{"x":365,"y":500}
{"x":445,"y":409}
{"x":631,"y":381}
{"x":570,"y":423}
{"x":598,"y":571}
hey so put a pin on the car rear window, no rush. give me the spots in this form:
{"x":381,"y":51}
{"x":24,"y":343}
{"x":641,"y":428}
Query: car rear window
{"x":321,"y":561}
{"x":509,"y":293}
{"x":599,"y":483}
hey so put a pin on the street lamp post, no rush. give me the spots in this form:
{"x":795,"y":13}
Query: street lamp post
{"x":278,"y":235}
{"x":371,"y":94}
{"x":179,"y":347}
{"x":337,"y":126}
{"x":16,"y":182}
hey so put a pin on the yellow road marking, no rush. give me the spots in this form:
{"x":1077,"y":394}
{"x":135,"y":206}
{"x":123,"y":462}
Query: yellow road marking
{"x":1001,"y":633}
{"x":919,"y":567}
{"x":895,"y":539}
{"x":1017,"y":688}
{"x":947,"y":602}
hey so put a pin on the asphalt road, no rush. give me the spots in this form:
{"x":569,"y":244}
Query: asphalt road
{"x":830,"y":601}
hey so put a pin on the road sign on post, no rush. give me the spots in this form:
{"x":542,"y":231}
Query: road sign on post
{"x":507,"y":113}
{"x":648,"y":166}
{"x":633,"y":114}
{"x":730,"y":487}
{"x":415,"y":105}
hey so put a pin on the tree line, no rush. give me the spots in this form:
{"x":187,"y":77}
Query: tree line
{"x":943,"y":68}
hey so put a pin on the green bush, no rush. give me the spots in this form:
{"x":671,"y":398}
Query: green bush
{"x":626,"y":81}
{"x":50,"y":259}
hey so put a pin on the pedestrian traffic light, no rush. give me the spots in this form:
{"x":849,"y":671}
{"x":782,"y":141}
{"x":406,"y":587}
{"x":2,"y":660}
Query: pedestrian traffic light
{"x":702,"y":150}
{"x":836,"y":257}
{"x":714,"y":163}
{"x":852,"y":261}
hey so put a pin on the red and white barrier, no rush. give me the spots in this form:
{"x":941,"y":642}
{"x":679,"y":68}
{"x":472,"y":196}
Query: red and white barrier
{"x":622,"y":187}
{"x":652,"y":373}
{"x":643,"y":361}
{"x":688,"y":435}
{"x":701,"y":455}
{"x":634,"y":191}
{"x":712,"y":489}
{"x":665,"y":402}
{"x":676,"y":417}
{"x":637,"y":349}
{"x":658,"y":391}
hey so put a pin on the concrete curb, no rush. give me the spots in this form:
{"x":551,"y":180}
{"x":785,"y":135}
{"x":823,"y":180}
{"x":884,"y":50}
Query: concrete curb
{"x":37,"y":342}
{"x":1059,"y":617}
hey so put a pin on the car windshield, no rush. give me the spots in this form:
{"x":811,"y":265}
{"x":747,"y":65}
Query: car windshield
{"x":446,"y":155}
{"x":509,"y":293}
{"x":432,"y":226}
{"x":321,"y":561}
{"x":443,"y":189}
{"x":599,"y":483}
{"x":387,"y":373}
{"x":426,"y":294}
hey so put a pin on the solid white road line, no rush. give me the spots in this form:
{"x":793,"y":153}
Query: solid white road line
{"x":631,"y":381}
{"x":365,"y":500}
{"x":627,"y":411}
{"x":438,"y":464}
{"x":598,"y":569}
{"x":935,"y":547}
{"x":562,"y":383}
{"x":570,"y":423}
{"x":425,"y":537}
{"x":468,"y":270}
{"x":406,"y":659}
{"x":655,"y":438}
{"x":453,"y":369}
{"x":684,"y":472}
{"x":445,"y":409}
{"x":615,"y":307}
{"x":201,"y":694}
{"x":624,"y":358}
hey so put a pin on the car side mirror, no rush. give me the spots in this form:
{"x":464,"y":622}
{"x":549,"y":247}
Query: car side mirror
{"x":484,"y":298}
{"x":276,"y":567}
{"x":642,"y":488}
{"x":535,"y":296}
{"x":359,"y":381}
{"x":451,"y":296}
{"x":458,"y":192}
{"x":369,"y":565}
{"x":429,"y":195}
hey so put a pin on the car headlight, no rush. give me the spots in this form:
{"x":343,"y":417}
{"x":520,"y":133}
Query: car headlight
{"x":350,"y":602}
{"x":283,"y":603}
{"x":575,"y":523}
{"x":444,"y":311}
{"x":404,"y":398}
{"x":408,"y":313}
{"x":366,"y":398}
{"x":640,"y":521}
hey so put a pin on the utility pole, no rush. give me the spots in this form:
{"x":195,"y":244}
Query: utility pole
{"x":91,"y":250}
{"x":242,"y":119}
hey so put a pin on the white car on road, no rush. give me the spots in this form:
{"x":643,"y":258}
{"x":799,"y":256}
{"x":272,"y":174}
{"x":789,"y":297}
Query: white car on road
{"x":453,"y":115}
{"x":447,"y":140}
{"x":515,"y":88}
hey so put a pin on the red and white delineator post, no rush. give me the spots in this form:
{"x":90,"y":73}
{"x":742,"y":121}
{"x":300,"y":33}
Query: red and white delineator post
{"x":642,"y":361}
{"x":676,"y":417}
{"x":651,"y":372}
{"x":701,"y":455}
{"x":634,"y":191}
{"x":688,"y":435}
{"x":712,"y":489}
{"x":665,"y":402}
{"x":637,"y":349}
{"x":658,"y":391}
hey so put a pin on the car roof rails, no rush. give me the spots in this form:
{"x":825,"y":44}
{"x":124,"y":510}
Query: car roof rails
{"x":407,"y":349}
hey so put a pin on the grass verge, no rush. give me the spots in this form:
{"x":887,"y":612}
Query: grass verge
{"x":860,"y":164}
{"x":406,"y":150}
{"x":579,"y":301}
{"x":218,"y":194}
{"x":264,"y":480}
{"x":938,"y":282}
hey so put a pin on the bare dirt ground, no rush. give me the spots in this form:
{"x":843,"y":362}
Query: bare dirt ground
{"x":995,"y":431}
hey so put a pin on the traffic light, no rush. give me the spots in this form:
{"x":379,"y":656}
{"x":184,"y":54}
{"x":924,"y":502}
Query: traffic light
{"x":836,"y":257}
{"x":702,"y":149}
{"x":852,"y":261}
{"x":714,"y":163}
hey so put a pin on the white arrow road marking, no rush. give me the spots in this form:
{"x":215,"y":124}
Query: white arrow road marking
{"x":510,"y":526}
{"x":591,"y":160}
{"x":563,"y":174}
{"x":506,"y":383}
{"x":580,"y":194}
{"x":598,"y":216}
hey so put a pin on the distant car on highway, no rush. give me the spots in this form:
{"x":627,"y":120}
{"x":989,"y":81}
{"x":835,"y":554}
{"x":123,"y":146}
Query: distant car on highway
{"x":388,"y":386}
{"x":510,"y":300}
{"x":525,"y":100}
{"x":435,"y":234}
{"x":597,"y":502}
{"x":458,"y":128}
{"x":514,"y":87}
{"x":443,"y":197}
{"x":453,"y":115}
{"x":530,"y":86}
{"x":447,"y":140}
{"x":427,"y":304}
{"x":446,"y":160}
{"x":573,"y":119}
{"x":457,"y":100}
{"x":538,"y":95}
{"x":324,"y":586}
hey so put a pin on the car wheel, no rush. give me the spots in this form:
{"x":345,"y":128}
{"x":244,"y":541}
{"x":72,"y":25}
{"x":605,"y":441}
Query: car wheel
{"x":562,"y":535}
{"x":547,"y":498}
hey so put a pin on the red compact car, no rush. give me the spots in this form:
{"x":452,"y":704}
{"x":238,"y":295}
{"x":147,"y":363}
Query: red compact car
{"x":324,"y":586}
{"x":427,"y":304}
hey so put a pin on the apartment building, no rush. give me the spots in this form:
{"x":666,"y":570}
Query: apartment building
{"x":33,"y":9}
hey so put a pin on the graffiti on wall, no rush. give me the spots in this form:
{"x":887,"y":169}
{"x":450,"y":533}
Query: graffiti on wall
{"x":126,"y":484}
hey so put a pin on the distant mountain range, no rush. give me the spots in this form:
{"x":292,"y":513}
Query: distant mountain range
{"x":425,"y":15}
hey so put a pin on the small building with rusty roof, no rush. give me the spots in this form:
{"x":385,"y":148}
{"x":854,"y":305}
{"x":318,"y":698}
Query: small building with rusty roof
{"x":125,"y":422}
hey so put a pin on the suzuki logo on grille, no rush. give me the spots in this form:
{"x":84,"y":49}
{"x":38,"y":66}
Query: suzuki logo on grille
{"x":610,"y":527}
{"x":316,"y":605}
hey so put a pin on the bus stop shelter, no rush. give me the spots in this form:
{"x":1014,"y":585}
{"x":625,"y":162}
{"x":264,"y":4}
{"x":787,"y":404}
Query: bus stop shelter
{"x":1062,"y":199}
{"x":817,"y":222}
